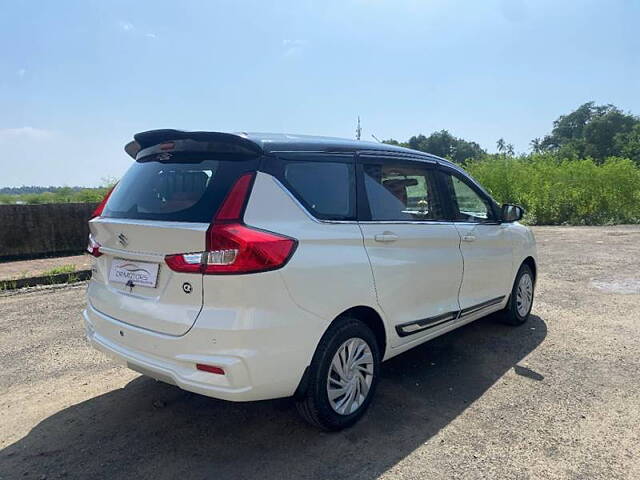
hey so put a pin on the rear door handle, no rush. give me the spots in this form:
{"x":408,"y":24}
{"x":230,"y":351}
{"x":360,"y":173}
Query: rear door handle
{"x":385,"y":237}
{"x":469,"y":238}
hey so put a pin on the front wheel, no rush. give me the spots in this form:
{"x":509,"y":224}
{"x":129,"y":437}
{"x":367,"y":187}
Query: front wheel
{"x":342,"y":376}
{"x":521,"y":299}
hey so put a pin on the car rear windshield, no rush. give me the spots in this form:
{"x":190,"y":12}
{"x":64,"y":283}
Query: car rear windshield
{"x":183,"y":189}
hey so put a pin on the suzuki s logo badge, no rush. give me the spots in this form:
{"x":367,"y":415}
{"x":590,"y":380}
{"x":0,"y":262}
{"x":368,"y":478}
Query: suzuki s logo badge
{"x":123,"y":240}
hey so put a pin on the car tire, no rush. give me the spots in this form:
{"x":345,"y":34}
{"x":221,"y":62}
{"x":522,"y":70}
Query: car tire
{"x":521,"y":299}
{"x":350,"y":340}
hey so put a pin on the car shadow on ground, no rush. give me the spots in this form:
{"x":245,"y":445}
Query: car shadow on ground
{"x":149,"y":429}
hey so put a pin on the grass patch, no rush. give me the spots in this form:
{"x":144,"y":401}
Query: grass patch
{"x":59,"y":270}
{"x":8,"y":285}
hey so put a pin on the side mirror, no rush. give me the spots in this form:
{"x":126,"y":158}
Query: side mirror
{"x":511,"y":213}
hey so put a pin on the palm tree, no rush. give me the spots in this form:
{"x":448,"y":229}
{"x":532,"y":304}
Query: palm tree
{"x":536,"y":145}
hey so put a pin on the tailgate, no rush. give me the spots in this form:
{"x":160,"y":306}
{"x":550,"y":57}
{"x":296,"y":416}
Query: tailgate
{"x":157,"y":298}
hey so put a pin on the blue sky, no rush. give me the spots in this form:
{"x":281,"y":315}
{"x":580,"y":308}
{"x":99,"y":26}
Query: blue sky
{"x":78,"y":78}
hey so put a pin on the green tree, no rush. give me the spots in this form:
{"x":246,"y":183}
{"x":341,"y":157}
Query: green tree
{"x":391,"y":141}
{"x":536,"y":145}
{"x":595,"y":131}
{"x":443,"y":144}
{"x":629,"y":144}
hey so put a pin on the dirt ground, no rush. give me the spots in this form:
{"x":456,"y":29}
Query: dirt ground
{"x":32,"y":268}
{"x":556,"y":398}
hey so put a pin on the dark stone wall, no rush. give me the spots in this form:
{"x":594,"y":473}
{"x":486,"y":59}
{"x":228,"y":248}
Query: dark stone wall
{"x":29,"y":231}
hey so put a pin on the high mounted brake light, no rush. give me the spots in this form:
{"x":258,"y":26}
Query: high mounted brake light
{"x":231,"y":246}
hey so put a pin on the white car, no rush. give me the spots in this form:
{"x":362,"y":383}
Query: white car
{"x":256,"y":266}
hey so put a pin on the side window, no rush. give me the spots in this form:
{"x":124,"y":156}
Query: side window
{"x":468,"y":206}
{"x":327,"y":189}
{"x":401,"y":191}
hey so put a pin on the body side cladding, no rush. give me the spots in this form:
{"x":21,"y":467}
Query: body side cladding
{"x":421,"y":325}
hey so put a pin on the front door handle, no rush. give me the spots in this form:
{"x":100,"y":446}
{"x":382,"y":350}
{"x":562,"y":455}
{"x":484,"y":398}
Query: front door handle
{"x":385,"y":237}
{"x":469,"y":238}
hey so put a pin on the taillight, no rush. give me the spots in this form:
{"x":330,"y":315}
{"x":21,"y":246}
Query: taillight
{"x":185,"y":262}
{"x":231,"y":208}
{"x":235,"y":248}
{"x":231,"y":246}
{"x":98,"y":211}
{"x":93,"y":247}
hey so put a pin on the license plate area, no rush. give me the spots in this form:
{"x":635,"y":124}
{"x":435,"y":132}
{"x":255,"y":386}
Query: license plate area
{"x":125,"y":271}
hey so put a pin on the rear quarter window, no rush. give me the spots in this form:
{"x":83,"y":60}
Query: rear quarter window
{"x":324,"y":184}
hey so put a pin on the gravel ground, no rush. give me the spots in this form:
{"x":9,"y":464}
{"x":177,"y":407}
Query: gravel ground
{"x":556,"y":398}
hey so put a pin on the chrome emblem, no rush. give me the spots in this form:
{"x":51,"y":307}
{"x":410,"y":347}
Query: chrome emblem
{"x":123,"y":240}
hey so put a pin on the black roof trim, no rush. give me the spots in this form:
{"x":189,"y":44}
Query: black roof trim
{"x":275,"y":142}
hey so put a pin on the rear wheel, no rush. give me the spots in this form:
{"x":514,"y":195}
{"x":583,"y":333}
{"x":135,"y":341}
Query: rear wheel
{"x":342,"y":376}
{"x":521,"y":299}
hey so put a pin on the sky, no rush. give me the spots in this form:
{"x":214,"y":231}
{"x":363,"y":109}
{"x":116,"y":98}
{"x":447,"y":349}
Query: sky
{"x":79,"y":78}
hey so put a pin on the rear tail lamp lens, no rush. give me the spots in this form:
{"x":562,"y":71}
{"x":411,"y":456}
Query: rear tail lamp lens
{"x":186,"y":262}
{"x":236,"y":248}
{"x":231,"y":208}
{"x":93,"y":247}
{"x":98,"y":211}
{"x":231,"y":246}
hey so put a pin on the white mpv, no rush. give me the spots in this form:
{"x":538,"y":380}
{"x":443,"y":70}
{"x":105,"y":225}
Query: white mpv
{"x":256,"y":266}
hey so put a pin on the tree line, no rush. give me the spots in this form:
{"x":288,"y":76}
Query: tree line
{"x":586,"y":171}
{"x":591,"y":131}
{"x":35,"y":195}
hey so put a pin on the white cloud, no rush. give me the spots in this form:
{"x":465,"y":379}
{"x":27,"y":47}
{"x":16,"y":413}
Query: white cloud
{"x":151,"y":35}
{"x":24,"y":133}
{"x":293,"y":47}
{"x":126,"y":26}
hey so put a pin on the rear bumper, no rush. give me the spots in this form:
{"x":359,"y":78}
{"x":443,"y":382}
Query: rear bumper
{"x":260,"y":364}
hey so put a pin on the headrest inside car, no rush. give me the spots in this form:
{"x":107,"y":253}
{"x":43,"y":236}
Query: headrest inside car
{"x":400,"y":182}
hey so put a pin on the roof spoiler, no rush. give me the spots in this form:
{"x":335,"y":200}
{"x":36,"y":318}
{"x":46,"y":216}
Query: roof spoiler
{"x":154,"y":137}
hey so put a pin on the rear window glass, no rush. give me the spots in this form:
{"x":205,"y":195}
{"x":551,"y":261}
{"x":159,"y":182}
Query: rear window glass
{"x":325,"y":188}
{"x":184,"y":191}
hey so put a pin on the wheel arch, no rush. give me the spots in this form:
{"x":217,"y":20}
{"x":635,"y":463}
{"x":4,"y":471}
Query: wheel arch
{"x":531,"y":263}
{"x":370,"y":317}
